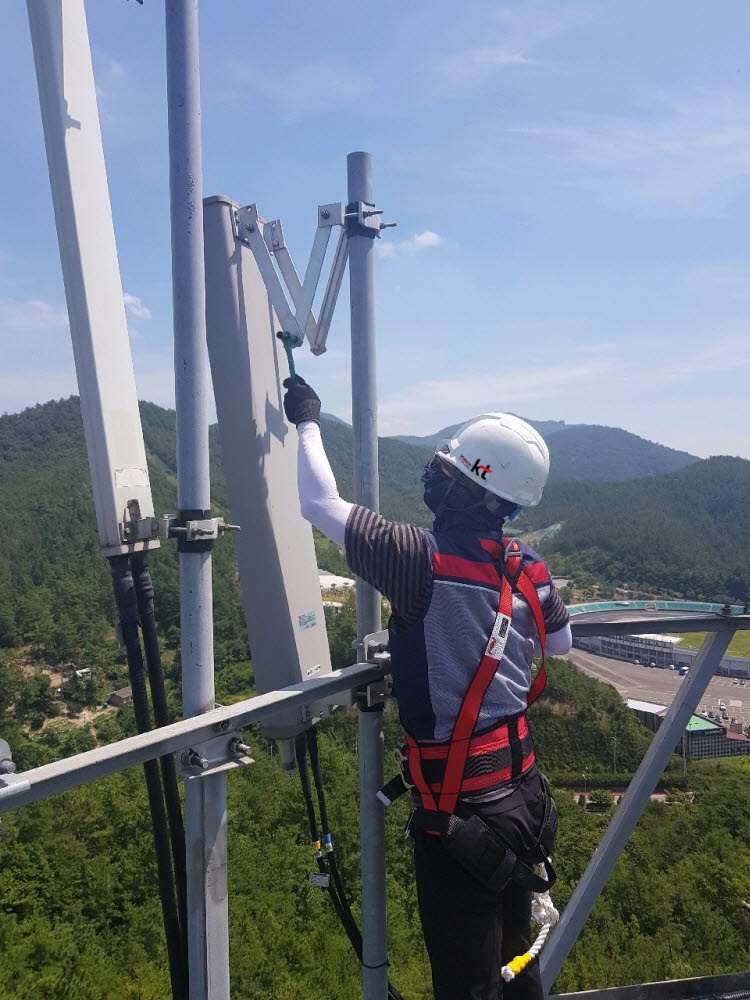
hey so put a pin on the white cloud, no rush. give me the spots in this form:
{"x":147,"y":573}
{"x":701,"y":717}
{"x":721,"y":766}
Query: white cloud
{"x":473,"y":65}
{"x":107,"y":65}
{"x":298,"y":90}
{"x":135,"y":307}
{"x":688,"y":155}
{"x":506,"y":39}
{"x":417,"y":242}
{"x":431,"y":403}
{"x":727,"y":280}
{"x":31,"y":315}
{"x":722,"y":353}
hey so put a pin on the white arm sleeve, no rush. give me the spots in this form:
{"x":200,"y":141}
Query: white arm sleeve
{"x":319,"y":498}
{"x":557,"y":643}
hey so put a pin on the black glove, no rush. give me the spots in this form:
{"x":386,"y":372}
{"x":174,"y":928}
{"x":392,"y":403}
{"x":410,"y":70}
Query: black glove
{"x":301,"y":401}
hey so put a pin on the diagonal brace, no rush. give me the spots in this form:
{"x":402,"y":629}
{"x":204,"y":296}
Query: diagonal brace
{"x":632,"y":804}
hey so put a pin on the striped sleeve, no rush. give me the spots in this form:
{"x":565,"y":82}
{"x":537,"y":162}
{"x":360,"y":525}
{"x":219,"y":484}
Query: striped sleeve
{"x":394,"y":558}
{"x":555,"y":613}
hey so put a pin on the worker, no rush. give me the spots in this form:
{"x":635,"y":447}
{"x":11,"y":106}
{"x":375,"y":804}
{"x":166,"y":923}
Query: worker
{"x":455,"y":600}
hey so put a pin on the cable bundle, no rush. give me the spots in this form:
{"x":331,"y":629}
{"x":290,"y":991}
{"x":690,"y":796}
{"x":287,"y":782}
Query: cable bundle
{"x":327,"y":864}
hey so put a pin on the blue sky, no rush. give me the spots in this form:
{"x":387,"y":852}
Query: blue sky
{"x":571,"y":183}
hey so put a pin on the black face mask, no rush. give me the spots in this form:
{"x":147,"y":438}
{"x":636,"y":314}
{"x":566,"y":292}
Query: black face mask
{"x":442,"y":492}
{"x":455,"y":506}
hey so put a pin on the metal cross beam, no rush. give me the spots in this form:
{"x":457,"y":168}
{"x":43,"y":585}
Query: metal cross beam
{"x":21,"y":788}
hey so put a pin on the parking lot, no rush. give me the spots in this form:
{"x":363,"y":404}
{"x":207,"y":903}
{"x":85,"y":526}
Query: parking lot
{"x":658,"y":685}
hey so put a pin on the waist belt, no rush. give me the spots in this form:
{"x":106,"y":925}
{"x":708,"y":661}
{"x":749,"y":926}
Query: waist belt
{"x":493,"y":759}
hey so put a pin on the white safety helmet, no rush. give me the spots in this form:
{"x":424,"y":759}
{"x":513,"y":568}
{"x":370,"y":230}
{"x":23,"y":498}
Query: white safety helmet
{"x":503,"y":454}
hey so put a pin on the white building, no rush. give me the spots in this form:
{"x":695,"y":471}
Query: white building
{"x":330,"y":580}
{"x":661,"y":650}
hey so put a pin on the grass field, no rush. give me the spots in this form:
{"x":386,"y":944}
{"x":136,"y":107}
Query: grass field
{"x":740,"y":645}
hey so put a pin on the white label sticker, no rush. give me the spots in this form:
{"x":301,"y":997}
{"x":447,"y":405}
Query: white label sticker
{"x":313,"y":670}
{"x":498,"y":637}
{"x":307,"y":620}
{"x":125,"y":478}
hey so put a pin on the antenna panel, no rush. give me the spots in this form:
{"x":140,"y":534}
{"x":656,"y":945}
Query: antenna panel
{"x":275,"y":550}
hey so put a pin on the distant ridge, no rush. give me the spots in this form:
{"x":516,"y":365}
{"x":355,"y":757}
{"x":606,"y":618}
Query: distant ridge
{"x":683,"y":531}
{"x":336,"y":420}
{"x":545,"y":428}
{"x":589,"y":451}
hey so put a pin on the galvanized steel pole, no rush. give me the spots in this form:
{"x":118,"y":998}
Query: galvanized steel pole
{"x":367,"y":493}
{"x":205,"y":800}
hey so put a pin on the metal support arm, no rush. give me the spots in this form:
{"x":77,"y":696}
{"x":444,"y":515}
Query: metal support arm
{"x":632,"y":804}
{"x":266,"y":240}
{"x":20,"y":789}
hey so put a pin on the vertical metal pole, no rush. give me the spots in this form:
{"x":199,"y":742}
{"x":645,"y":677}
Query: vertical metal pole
{"x":367,"y":493}
{"x":632,"y":804}
{"x":205,"y":798}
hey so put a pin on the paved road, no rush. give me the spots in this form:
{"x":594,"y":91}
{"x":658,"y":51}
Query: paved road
{"x":658,"y":685}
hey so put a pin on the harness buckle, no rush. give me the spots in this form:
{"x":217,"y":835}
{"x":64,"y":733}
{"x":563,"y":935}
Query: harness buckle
{"x":402,"y":763}
{"x":399,"y":783}
{"x":513,"y":550}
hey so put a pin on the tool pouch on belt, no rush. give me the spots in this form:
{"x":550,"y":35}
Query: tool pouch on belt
{"x":548,"y":832}
{"x":481,"y":851}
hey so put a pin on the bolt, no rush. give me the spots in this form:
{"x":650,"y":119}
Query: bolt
{"x":325,"y":214}
{"x":237,"y":747}
{"x":250,"y":227}
{"x":193,"y":759}
{"x":7,"y":767}
{"x":275,"y":243}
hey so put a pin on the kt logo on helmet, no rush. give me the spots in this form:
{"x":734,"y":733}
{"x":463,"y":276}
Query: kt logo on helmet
{"x":484,"y":469}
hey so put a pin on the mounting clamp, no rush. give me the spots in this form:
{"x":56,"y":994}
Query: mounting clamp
{"x":375,"y":650}
{"x":195,"y":530}
{"x":363,"y":219}
{"x":10,"y":782}
{"x":134,"y":528}
{"x":218,"y":753}
{"x":375,"y":647}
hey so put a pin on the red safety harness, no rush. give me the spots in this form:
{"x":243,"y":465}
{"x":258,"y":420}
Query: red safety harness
{"x":442,"y":796}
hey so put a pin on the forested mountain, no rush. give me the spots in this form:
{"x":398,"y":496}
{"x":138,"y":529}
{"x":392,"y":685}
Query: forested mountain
{"x":683,"y":534}
{"x":589,"y":451}
{"x":609,"y":454}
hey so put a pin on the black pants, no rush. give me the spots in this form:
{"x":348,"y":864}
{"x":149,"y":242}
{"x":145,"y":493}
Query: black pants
{"x":471,"y":933}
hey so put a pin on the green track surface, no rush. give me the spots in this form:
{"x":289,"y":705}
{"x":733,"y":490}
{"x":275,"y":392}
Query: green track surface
{"x":739,"y":646}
